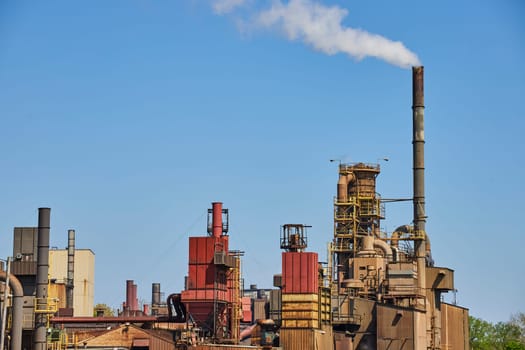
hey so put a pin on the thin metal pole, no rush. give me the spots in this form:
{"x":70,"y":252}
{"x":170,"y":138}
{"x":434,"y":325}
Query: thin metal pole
{"x":4,"y":309}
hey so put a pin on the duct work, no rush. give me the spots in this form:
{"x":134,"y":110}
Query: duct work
{"x":408,"y":231}
{"x":18,"y":304}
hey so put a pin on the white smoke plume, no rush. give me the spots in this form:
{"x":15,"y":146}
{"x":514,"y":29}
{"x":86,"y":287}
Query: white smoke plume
{"x":321,"y":27}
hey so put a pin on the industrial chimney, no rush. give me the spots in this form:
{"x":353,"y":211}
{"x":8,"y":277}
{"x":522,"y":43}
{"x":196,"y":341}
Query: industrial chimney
{"x":217,"y":220}
{"x":70,"y":268}
{"x":155,"y":298}
{"x":418,"y":149}
{"x":39,"y":337}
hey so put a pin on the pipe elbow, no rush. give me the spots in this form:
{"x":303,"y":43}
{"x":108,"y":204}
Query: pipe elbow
{"x":14,"y":284}
{"x":398,"y":232}
{"x":404,"y":229}
{"x":384,"y":247}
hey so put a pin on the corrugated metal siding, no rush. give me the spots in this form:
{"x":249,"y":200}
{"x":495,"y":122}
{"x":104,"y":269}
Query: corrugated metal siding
{"x":204,"y":295}
{"x":246,"y":309}
{"x":126,"y":336}
{"x":454,"y":327}
{"x":25,"y":241}
{"x":160,"y":344}
{"x":325,"y":306}
{"x":300,"y":272}
{"x":300,"y":310}
{"x":202,"y":249}
{"x":259,"y":309}
{"x":224,"y":347}
{"x":23,"y":268}
{"x":306,"y":339}
{"x":201,"y":276}
{"x":395,"y":328}
{"x":275,"y":305}
{"x":57,"y":291}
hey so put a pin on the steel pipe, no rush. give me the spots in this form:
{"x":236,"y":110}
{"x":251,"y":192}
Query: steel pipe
{"x":18,"y":309}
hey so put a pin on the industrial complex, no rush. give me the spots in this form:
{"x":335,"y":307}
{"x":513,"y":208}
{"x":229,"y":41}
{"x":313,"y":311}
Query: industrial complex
{"x":378,"y":290}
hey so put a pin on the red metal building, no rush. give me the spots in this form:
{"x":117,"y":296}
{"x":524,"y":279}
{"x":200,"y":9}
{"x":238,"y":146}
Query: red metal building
{"x":212,"y":291}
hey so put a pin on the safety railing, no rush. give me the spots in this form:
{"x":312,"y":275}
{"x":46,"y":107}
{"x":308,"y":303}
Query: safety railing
{"x":45,"y":305}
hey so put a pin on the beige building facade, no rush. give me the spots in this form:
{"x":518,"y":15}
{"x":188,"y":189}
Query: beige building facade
{"x":84,"y":279}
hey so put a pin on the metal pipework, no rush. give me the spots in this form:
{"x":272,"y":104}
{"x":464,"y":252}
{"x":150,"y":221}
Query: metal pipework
{"x":39,"y":337}
{"x":18,"y":309}
{"x":418,"y":148}
{"x":342,"y":185}
{"x":70,"y":267}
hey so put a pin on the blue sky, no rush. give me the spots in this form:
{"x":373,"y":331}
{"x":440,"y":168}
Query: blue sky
{"x":128,"y":118}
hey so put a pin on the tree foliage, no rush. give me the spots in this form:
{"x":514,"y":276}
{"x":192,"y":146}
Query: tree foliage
{"x":106,"y":309}
{"x":500,"y":336}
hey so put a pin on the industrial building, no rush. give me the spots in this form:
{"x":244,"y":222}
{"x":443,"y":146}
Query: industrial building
{"x":83,"y":280}
{"x":378,"y":290}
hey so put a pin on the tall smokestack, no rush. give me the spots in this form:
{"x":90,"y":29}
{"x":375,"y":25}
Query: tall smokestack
{"x":155,"y":297}
{"x":129,"y":295}
{"x":418,"y":144}
{"x":418,"y":148}
{"x":135,"y":299}
{"x":39,"y":337}
{"x":70,"y":267}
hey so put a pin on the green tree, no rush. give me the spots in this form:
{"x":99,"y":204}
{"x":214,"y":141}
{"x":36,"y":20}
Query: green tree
{"x":105,"y":309}
{"x":506,"y":333}
{"x":500,"y":336}
{"x":519,"y":321}
{"x":514,"y":345}
{"x":481,"y":333}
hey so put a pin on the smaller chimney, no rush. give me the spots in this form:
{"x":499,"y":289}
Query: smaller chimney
{"x":70,"y":268}
{"x":135,"y":299}
{"x":217,"y":220}
{"x":129,"y":295}
{"x":155,"y":297}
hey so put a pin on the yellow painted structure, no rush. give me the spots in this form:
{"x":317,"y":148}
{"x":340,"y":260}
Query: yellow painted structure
{"x":84,"y":279}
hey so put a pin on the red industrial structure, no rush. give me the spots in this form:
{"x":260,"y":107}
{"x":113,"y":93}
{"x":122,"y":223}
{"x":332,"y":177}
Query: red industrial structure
{"x":212,"y":294}
{"x":300,"y":269}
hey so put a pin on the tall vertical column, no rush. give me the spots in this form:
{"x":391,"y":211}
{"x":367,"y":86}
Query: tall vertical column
{"x":155,"y":298}
{"x":217,"y":219}
{"x":418,"y":149}
{"x":70,"y":267}
{"x":135,"y":299}
{"x":39,"y":337}
{"x":129,"y":295}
